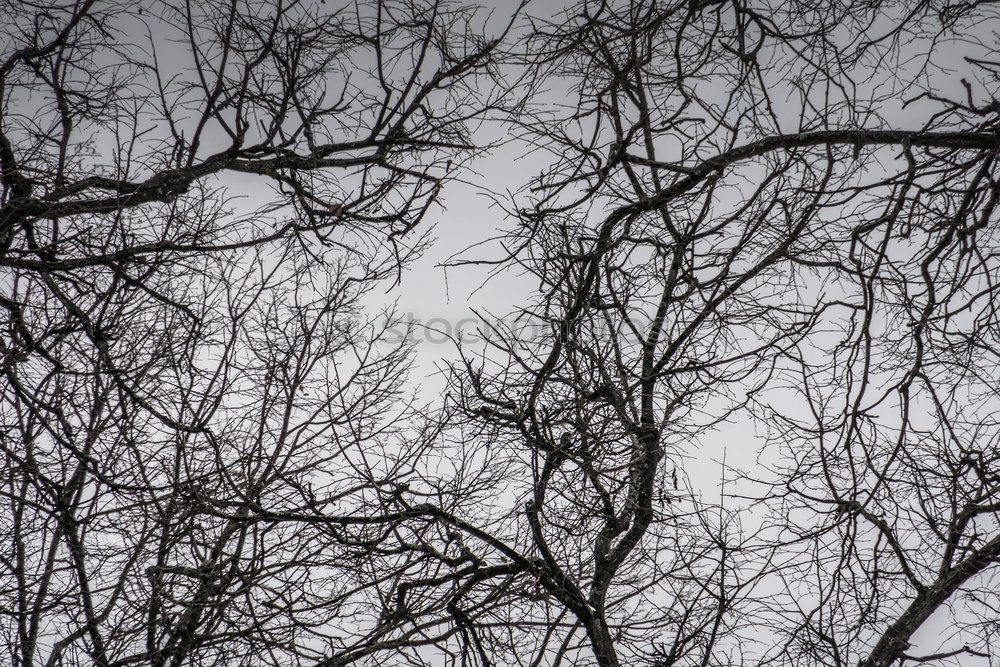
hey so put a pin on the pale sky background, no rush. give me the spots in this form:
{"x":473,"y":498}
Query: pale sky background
{"x":443,"y":298}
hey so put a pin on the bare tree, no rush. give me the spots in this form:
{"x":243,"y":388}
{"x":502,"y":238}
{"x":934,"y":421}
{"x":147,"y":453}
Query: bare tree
{"x":780,"y":215}
{"x":196,"y":199}
{"x":768,"y":214}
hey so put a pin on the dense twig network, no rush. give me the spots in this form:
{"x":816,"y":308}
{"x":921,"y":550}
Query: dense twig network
{"x":779,"y":215}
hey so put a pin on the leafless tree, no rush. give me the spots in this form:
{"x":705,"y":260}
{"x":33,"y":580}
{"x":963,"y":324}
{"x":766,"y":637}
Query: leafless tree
{"x":196,"y":198}
{"x":776,"y":214}
{"x":780,"y":215}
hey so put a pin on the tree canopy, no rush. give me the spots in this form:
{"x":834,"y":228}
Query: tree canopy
{"x":776,"y":219}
